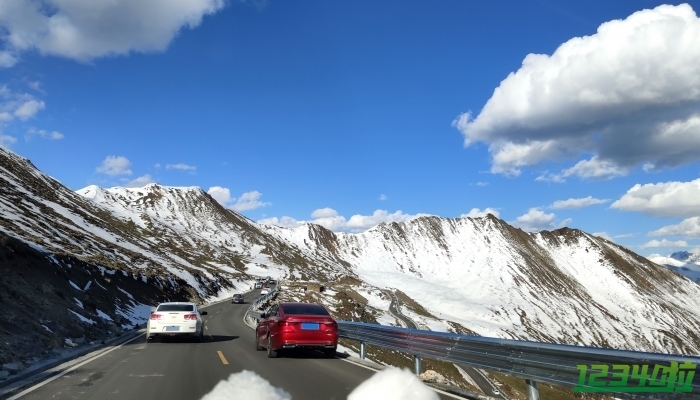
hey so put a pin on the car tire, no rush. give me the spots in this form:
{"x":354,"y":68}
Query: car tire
{"x":257,"y":342}
{"x":329,"y":353}
{"x":270,"y":352}
{"x":199,"y":338}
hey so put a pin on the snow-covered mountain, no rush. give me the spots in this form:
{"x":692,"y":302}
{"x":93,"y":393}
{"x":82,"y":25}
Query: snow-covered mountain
{"x":475,"y":274}
{"x":683,"y":262}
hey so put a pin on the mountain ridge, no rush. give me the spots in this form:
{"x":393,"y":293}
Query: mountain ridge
{"x":482,"y":274}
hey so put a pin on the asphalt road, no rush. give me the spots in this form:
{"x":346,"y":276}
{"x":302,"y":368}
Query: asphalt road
{"x":484,"y":384}
{"x":183,"y":370}
{"x":396,"y":311}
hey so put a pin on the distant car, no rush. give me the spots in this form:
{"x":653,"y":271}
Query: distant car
{"x":271,"y":281}
{"x":238,"y":299}
{"x":496,"y":391}
{"x":295,"y":326}
{"x":258,"y":285}
{"x":176,"y":319}
{"x":265,"y":291}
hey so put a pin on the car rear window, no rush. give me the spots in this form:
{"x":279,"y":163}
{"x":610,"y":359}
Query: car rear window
{"x":304,"y":309}
{"x":176,"y":307}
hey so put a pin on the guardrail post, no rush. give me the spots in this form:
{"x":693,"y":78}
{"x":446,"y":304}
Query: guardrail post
{"x":532,"y":392}
{"x":362,"y":350}
{"x":418,"y":364}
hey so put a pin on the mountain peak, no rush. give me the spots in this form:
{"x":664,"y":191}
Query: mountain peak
{"x":681,"y":255}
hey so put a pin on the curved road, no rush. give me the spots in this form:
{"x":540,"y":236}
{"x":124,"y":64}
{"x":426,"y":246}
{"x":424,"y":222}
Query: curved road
{"x":182,"y":370}
{"x":482,"y":381}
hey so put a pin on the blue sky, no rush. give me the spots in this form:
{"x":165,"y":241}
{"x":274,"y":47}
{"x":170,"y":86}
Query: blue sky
{"x":345,"y":108}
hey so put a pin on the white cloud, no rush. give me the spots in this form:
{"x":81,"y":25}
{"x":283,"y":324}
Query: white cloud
{"x":535,"y":220}
{"x":382,"y":197}
{"x":687,"y":227}
{"x":180,"y":167}
{"x":360,"y":222}
{"x":332,"y":220}
{"x":246,"y":385}
{"x":7,"y":59}
{"x":482,"y":184}
{"x":329,"y":219}
{"x":664,"y":199}
{"x":550,"y":177}
{"x":629,"y":94}
{"x":83,"y":30}
{"x":577,"y":203}
{"x":595,"y":168}
{"x":624,"y":235}
{"x":664,"y":243}
{"x":647,"y":167}
{"x":7,"y":140}
{"x":603,"y":235}
{"x":287,"y":222}
{"x":247,"y":201}
{"x":115,"y":165}
{"x":565,"y":222}
{"x":17,"y":105}
{"x":141,"y":181}
{"x":607,"y":236}
{"x":324,"y":213}
{"x":29,"y":109}
{"x":477,"y":213}
{"x":53,"y":135}
{"x":220,"y":194}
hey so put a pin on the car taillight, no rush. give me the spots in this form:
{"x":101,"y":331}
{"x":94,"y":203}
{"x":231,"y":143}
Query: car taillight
{"x":284,"y":323}
{"x":331,"y":324}
{"x":190,"y":316}
{"x":156,"y":317}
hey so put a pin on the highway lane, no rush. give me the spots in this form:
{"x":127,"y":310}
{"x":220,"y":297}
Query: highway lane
{"x":186,"y":370}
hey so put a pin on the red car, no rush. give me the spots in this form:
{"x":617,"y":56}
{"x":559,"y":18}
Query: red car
{"x":294,"y":326}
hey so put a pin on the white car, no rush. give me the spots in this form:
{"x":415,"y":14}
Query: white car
{"x":265,"y":291}
{"x":258,"y":285}
{"x":176,"y":320}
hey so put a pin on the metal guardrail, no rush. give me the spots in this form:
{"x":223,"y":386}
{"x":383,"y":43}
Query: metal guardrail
{"x":253,"y":310}
{"x":534,"y":361}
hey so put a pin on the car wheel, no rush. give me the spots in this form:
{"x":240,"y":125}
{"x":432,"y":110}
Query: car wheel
{"x":257,"y":342}
{"x":200,"y":337}
{"x":270,"y":352}
{"x":329,"y":353}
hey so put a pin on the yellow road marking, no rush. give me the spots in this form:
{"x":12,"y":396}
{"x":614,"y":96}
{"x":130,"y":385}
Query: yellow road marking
{"x":221,"y":356}
{"x":206,"y":327}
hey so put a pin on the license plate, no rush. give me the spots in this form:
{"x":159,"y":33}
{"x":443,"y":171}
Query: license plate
{"x":309,"y":326}
{"x":172,"y":328}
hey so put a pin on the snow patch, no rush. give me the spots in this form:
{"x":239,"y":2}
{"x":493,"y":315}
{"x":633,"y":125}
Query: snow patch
{"x":393,"y":384}
{"x":125,"y":292}
{"x":83,"y":319}
{"x":246,"y":385}
{"x":103,"y":315}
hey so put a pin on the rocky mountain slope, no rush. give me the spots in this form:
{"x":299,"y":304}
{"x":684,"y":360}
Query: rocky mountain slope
{"x":470,"y":275}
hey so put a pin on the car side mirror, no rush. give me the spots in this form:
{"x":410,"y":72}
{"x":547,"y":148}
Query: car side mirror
{"x":153,"y":309}
{"x":204,"y":313}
